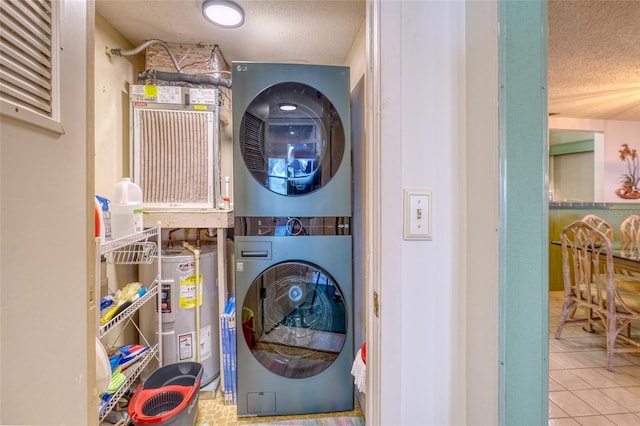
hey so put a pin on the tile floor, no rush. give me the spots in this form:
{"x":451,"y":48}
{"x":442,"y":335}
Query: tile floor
{"x":214,"y":412}
{"x":581,"y":390}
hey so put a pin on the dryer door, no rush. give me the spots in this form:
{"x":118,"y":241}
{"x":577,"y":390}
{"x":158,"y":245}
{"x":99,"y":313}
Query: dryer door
{"x":292,"y":139}
{"x":294,"y":319}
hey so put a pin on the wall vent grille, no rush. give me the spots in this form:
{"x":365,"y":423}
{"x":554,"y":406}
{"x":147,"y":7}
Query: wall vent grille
{"x":173,"y":158}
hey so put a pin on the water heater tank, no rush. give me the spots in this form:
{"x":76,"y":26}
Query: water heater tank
{"x":178,"y":309}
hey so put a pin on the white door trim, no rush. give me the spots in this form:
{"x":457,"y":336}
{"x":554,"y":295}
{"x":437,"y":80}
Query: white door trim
{"x":372,"y":200}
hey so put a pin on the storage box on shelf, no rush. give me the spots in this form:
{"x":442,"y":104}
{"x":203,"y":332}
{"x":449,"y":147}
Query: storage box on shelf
{"x":135,"y":249}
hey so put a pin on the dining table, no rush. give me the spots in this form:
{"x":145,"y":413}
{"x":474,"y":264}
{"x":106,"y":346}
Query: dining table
{"x":627,"y":259}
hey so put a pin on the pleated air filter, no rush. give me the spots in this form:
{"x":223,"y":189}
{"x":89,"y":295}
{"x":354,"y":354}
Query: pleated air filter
{"x":175,"y":156}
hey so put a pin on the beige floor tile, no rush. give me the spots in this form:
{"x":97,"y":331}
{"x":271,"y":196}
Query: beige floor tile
{"x":569,"y":380}
{"x":601,"y":402}
{"x":619,"y":376}
{"x":585,"y":342}
{"x":575,"y":330}
{"x":556,"y":412}
{"x":568,"y":421}
{"x":594,"y":378}
{"x":572,"y":405}
{"x":592,"y":358}
{"x":553,"y":365}
{"x":626,"y":419}
{"x":623,"y":397}
{"x":594,"y":421}
{"x":557,"y":345}
{"x":632,"y":370}
{"x":566,"y":360}
{"x":634,"y":389}
{"x":554,"y":385}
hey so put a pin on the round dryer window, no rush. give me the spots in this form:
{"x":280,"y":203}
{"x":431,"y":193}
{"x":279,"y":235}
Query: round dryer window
{"x":292,"y":139}
{"x":294,"y":320}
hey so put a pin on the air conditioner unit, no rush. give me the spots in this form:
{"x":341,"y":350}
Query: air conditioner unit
{"x":175,"y":146}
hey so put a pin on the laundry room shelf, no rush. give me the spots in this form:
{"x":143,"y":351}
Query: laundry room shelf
{"x":132,"y":373}
{"x":134,"y":254}
{"x":189,"y":218}
{"x":136,"y":249}
{"x":121,"y":243}
{"x":127,"y":313}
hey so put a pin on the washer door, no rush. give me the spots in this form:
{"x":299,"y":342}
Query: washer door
{"x":292,"y":139}
{"x":294,"y":320}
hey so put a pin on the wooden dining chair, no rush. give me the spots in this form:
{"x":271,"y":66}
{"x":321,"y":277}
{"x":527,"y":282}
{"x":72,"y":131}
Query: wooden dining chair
{"x":600,"y":224}
{"x":630,"y":233}
{"x":588,"y":273}
{"x":606,"y":228}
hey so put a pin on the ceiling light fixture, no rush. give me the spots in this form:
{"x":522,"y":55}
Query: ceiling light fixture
{"x":224,"y":13}
{"x":288,"y":107}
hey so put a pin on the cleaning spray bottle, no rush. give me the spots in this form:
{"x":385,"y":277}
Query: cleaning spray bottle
{"x":106,"y":216}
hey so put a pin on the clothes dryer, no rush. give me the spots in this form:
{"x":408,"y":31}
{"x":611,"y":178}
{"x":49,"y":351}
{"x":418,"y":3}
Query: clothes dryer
{"x":292,"y":140}
{"x":294,"y":307}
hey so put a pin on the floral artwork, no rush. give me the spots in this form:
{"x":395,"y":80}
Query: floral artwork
{"x":629,"y":181}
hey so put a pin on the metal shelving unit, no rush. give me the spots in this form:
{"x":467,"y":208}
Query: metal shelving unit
{"x":135,"y":249}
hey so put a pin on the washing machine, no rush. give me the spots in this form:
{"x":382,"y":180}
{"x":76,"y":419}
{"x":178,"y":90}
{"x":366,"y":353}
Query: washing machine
{"x":294,"y":314}
{"x":292,"y":140}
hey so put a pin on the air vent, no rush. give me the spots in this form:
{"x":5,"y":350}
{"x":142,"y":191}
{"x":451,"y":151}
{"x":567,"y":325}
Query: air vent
{"x":29,"y":62}
{"x":174,"y":157}
{"x":252,"y":135}
{"x":174,"y":152}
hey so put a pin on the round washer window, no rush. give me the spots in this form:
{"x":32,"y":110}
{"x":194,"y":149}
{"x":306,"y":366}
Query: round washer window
{"x":294,"y":320}
{"x":292,"y":139}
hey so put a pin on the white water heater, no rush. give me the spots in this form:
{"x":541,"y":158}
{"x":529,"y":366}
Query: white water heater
{"x":179,"y":309}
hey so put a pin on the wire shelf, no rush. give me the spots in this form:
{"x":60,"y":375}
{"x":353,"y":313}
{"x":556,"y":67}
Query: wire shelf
{"x":119,"y":243}
{"x":135,"y":249}
{"x":133,"y":254}
{"x":127,"y":313}
{"x":132,"y":373}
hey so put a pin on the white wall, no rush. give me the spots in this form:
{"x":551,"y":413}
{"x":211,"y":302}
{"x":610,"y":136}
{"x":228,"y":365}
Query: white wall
{"x":422,"y":282}
{"x":356,"y":59}
{"x":615,"y":134}
{"x":113,"y":76}
{"x":45,"y":264}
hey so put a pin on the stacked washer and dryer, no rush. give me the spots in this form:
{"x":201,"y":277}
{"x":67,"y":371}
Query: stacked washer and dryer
{"x":293,"y":243}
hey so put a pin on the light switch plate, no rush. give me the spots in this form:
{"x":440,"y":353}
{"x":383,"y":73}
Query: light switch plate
{"x":417,"y":214}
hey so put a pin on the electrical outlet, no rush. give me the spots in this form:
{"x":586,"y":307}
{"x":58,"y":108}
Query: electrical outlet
{"x":417,"y":214}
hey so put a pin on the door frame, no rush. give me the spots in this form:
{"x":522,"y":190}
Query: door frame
{"x":522,"y":156}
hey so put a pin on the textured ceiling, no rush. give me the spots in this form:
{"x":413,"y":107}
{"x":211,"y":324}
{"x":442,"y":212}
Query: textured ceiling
{"x":302,"y":31}
{"x":594,"y":59}
{"x":594,"y":45}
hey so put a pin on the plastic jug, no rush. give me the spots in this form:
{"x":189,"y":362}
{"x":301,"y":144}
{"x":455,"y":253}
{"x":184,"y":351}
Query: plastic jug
{"x":126,"y":209}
